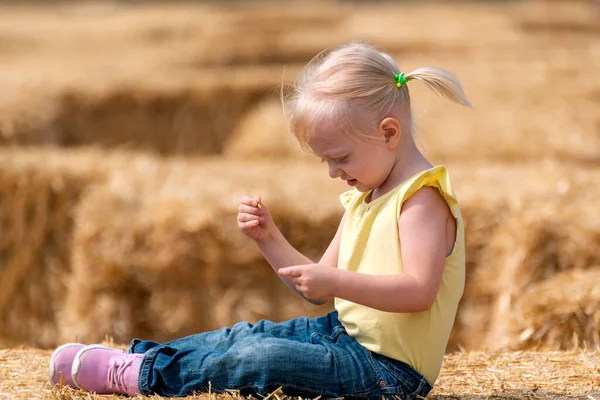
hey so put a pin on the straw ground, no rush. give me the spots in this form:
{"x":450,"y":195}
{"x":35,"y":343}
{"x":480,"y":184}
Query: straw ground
{"x":465,"y":376}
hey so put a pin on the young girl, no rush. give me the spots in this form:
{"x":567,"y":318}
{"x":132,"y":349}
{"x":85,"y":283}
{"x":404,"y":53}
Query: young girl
{"x":395,"y":267}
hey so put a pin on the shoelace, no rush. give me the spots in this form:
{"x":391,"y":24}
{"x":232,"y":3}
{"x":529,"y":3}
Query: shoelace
{"x":116,"y":373}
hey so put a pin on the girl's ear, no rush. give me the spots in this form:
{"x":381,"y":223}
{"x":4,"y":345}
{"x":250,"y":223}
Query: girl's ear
{"x":390,"y":131}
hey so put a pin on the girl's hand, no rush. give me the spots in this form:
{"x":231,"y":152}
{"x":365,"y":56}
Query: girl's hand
{"x":314,"y":281}
{"x":254,"y":218}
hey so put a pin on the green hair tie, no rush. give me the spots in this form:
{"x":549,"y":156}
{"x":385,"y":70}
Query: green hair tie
{"x":400,"y":79}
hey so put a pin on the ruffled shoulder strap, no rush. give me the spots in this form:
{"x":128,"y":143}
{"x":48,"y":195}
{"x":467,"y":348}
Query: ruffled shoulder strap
{"x":437,"y":177}
{"x":349,"y":197}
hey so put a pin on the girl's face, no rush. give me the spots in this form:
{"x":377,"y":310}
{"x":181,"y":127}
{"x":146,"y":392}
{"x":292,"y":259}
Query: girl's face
{"x":363,"y":164}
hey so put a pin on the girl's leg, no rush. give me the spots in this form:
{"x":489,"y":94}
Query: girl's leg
{"x":306,"y":357}
{"x":297,"y":329}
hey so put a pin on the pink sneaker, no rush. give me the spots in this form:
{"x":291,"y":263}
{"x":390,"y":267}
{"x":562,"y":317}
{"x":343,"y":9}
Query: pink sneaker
{"x":105,"y":371}
{"x":61,"y":363}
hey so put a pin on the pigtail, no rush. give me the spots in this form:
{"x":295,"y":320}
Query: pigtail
{"x":442,"y":82}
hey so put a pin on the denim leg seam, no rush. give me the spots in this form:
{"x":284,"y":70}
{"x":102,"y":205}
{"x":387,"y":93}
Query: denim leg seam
{"x":375,"y":388}
{"x":374,"y":365}
{"x":337,"y":332}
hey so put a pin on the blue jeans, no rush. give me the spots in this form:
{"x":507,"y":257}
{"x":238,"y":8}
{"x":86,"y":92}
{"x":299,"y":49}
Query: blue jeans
{"x":305,"y":357}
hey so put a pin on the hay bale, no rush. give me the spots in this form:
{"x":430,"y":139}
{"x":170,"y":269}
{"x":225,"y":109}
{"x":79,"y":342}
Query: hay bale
{"x":163,"y":257}
{"x":40,"y":188}
{"x":147,"y":244}
{"x":559,"y":17}
{"x":185,"y":75}
{"x":470,"y":324}
{"x":284,"y":35}
{"x":510,"y":122}
{"x":131,"y":272}
{"x":561,"y":313}
{"x":514,"y":125}
{"x":263,"y":134}
{"x":149,"y":235}
{"x":37,"y":194}
{"x":161,"y":121}
{"x":166,"y":49}
{"x":23,"y":116}
{"x":531,"y":221}
{"x":534,"y":245}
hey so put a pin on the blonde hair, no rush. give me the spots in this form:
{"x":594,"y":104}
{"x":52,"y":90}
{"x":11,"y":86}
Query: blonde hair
{"x":355,"y":85}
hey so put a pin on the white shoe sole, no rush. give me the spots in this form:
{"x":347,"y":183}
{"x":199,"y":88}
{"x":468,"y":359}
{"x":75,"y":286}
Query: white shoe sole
{"x":51,"y":369}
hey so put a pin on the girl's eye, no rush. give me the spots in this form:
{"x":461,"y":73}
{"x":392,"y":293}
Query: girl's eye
{"x":340,"y":160}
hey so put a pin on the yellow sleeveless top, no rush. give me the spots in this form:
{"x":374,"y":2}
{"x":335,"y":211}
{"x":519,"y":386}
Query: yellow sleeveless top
{"x":370,"y":244}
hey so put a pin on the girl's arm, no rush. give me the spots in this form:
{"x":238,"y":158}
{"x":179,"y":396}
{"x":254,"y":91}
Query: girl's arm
{"x":255,"y":221}
{"x":427,"y":232}
{"x":280,"y":254}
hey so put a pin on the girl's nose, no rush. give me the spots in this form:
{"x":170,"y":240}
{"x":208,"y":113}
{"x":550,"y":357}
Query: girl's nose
{"x":334,"y":171}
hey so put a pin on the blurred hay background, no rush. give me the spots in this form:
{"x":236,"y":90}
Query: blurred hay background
{"x":128,"y":133}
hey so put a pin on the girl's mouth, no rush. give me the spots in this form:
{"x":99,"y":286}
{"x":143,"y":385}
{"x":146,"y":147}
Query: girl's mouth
{"x":351,"y":182}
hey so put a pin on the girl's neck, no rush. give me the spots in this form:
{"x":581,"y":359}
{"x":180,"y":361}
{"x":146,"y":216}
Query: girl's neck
{"x":409,"y":162}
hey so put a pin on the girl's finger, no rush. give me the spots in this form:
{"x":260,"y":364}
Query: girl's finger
{"x":292,"y":272}
{"x":247,"y":200}
{"x":249,"y":217}
{"x":248,"y":225}
{"x":249,"y":210}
